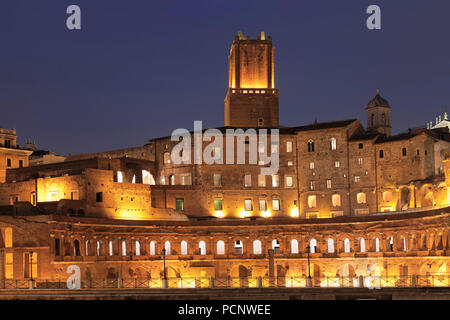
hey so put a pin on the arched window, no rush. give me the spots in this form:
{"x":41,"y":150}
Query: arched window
{"x":87,"y":244}
{"x":310,"y":146}
{"x":312,"y":245}
{"x":76,"y":248}
{"x":184,"y":248}
{"x":111,"y":249}
{"x":238,"y":247}
{"x":124,"y":248}
{"x":330,"y":245}
{"x":152,"y":248}
{"x":391,"y":244}
{"x":333,"y":144}
{"x":362,"y":245}
{"x":336,"y":200}
{"x":202,"y":247}
{"x":147,"y":178}
{"x":257,"y":247}
{"x":220,"y":247}
{"x":377,"y":245}
{"x":276,"y":246}
{"x":294,"y":246}
{"x":372,"y":120}
{"x":172,"y":180}
{"x":138,"y":248}
{"x":168,"y":248}
{"x":163,"y":180}
{"x":119,"y":176}
{"x":403,"y":243}
{"x":387,"y":196}
{"x":361,"y":198}
{"x":312,"y":201}
{"x":346,"y":245}
{"x":167,"y":158}
{"x":383,"y":119}
{"x":99,"y":247}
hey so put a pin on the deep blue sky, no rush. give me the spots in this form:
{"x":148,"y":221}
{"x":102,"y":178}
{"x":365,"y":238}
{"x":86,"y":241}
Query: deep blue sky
{"x":139,"y":69}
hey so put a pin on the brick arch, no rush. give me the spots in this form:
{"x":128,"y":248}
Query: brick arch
{"x":339,"y":244}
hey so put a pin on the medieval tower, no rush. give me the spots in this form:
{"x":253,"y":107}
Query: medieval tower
{"x":252,"y":99}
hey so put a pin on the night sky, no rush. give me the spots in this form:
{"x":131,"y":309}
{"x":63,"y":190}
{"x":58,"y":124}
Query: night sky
{"x":139,"y":69}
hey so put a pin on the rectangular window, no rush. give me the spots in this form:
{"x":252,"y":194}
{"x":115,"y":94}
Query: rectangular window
{"x":360,"y":161}
{"x":262,"y":205}
{"x":290,"y":163}
{"x":274,"y":147}
{"x":276,"y":204}
{"x":356,"y":178}
{"x":312,"y":201}
{"x":99,"y":197}
{"x":360,"y":146}
{"x":248,"y":205}
{"x":179,"y":203}
{"x":8,"y":163}
{"x":20,"y":163}
{"x":218,"y":204}
{"x":337,"y":164}
{"x":53,"y":196}
{"x":186,"y":180}
{"x":261,"y":148}
{"x":288,"y":146}
{"x":381,"y":154}
{"x":261,"y":180}
{"x":403,"y":152}
{"x":217,"y":153}
{"x":248,"y":180}
{"x":311,"y":165}
{"x":57,"y":247}
{"x":33,"y":198}
{"x":8,"y":143}
{"x":289,"y":181}
{"x":75,"y":195}
{"x":312,"y":185}
{"x":329,"y":184}
{"x":217,"y":180}
{"x":275,"y":181}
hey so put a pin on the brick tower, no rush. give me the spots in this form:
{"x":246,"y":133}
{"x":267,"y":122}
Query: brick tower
{"x":252,"y":99}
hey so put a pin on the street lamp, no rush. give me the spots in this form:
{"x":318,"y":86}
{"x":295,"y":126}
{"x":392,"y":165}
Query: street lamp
{"x":164,"y":258}
{"x":308,"y":248}
{"x":31,"y":264}
{"x":31,"y":269}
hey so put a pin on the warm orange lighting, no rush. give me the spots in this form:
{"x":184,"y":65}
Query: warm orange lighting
{"x":219,"y":214}
{"x":266,"y":214}
{"x":244,"y":214}
{"x":294,"y":213}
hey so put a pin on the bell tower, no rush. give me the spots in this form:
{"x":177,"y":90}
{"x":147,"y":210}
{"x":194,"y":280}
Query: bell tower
{"x":252,"y":99}
{"x":378,"y":115}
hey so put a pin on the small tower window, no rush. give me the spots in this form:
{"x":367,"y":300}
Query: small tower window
{"x":310,"y":146}
{"x":333,"y":144}
{"x":381,"y":154}
{"x":383,"y":119}
{"x":372,"y":120}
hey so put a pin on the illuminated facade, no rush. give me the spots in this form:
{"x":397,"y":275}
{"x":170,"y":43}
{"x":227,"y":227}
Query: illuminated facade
{"x":367,"y":204}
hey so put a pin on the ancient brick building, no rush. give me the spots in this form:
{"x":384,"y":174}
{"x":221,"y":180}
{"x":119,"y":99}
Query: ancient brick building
{"x":362,"y":202}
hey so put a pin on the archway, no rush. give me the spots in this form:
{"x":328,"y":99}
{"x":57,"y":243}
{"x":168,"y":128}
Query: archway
{"x":405,"y":198}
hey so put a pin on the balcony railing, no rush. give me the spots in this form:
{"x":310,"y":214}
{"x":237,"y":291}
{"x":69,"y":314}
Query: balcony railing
{"x":372,"y":282}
